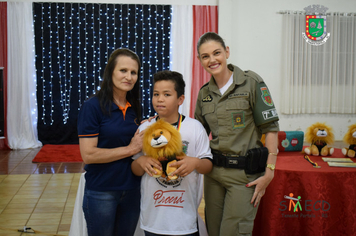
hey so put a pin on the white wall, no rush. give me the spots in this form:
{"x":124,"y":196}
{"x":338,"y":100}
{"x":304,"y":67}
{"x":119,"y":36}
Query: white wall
{"x":253,"y":30}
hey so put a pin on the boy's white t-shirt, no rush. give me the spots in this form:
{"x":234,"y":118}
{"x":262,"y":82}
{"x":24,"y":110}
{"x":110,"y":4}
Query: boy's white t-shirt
{"x":170,"y":207}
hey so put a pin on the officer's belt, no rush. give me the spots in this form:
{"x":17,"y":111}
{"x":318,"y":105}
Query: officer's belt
{"x":228,"y":160}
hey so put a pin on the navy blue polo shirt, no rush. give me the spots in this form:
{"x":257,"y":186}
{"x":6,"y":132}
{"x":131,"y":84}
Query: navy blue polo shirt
{"x":115,"y":130}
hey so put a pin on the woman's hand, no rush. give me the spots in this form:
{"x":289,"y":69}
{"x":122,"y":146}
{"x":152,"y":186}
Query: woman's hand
{"x":136,"y":142}
{"x":149,"y":119}
{"x":261,"y":185}
{"x":262,"y":182}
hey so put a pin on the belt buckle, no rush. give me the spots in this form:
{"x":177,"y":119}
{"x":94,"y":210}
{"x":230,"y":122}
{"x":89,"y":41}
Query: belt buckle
{"x":232,"y":162}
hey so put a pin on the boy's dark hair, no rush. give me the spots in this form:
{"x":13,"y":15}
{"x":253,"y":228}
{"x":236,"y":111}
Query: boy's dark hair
{"x":210,"y":36}
{"x":175,"y":77}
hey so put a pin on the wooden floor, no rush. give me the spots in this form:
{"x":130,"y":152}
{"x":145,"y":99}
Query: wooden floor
{"x":38,"y":195}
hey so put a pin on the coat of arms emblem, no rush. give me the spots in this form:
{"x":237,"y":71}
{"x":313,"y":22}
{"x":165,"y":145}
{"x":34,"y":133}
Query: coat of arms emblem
{"x":315,"y":25}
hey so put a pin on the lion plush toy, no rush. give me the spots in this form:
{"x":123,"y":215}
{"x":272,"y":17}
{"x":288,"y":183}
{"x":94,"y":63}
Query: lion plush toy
{"x":163,"y":142}
{"x":320,"y":136}
{"x":350,"y":138}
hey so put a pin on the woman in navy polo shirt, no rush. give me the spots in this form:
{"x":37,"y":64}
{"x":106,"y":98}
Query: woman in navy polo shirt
{"x":108,"y":137}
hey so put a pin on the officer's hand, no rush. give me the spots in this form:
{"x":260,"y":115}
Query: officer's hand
{"x":261,"y":185}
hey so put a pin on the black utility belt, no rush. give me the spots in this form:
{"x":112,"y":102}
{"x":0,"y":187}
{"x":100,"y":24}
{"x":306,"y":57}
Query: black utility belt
{"x":254,"y":162}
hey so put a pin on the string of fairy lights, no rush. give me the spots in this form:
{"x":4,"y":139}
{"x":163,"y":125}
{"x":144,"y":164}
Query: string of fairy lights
{"x":73,"y":42}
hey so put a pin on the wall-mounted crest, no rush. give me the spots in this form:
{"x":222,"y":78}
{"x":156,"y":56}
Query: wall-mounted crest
{"x":315,"y":25}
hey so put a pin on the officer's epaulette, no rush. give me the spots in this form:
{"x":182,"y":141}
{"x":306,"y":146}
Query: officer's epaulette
{"x":206,"y":84}
{"x":254,"y":76}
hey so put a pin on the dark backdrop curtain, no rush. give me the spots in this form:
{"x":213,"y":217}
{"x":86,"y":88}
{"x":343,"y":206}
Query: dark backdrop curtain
{"x":73,"y":42}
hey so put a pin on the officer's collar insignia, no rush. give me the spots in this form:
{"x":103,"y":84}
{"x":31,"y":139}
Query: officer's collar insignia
{"x":208,"y":98}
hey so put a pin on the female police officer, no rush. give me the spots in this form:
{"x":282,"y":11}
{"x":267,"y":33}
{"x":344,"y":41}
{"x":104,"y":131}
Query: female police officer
{"x":236,"y":107}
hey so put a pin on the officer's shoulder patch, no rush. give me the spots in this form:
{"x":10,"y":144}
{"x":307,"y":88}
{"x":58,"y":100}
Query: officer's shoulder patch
{"x":266,"y":96}
{"x":254,"y":76}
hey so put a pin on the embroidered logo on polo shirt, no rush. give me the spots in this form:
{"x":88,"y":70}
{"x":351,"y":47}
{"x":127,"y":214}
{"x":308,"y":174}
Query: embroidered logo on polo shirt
{"x":266,"y":97}
{"x":208,"y":98}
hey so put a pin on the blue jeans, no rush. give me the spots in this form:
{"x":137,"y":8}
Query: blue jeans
{"x":111,"y":213}
{"x":152,"y":234}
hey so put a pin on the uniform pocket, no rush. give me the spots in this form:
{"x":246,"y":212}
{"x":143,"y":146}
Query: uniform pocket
{"x":206,"y":109}
{"x":252,"y":177}
{"x":239,"y":111}
{"x":245,"y":228}
{"x":208,"y":112}
{"x":237,"y":104}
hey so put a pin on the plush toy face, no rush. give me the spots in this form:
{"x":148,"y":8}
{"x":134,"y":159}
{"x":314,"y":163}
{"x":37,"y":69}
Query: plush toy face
{"x":350,"y":136}
{"x":319,"y":132}
{"x":161,"y":139}
{"x":163,"y":142}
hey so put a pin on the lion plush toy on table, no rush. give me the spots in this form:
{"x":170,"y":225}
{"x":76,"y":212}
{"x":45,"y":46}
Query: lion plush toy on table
{"x":320,"y":136}
{"x":163,"y":142}
{"x":350,"y":138}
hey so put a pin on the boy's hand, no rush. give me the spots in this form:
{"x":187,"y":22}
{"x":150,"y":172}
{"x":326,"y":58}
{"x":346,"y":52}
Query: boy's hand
{"x":147,"y":164}
{"x":185,"y":165}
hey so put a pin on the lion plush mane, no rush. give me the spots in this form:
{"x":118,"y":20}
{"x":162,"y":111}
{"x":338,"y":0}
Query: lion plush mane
{"x":350,"y":138}
{"x":163,"y":142}
{"x":320,"y":136}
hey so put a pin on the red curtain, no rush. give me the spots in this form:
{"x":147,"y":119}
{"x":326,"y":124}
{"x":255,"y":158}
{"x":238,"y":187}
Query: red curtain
{"x":3,"y":63}
{"x":205,"y":19}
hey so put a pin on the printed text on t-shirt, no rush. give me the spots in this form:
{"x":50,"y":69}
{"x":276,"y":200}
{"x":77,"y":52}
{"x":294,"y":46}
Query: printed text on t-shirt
{"x":170,"y":198}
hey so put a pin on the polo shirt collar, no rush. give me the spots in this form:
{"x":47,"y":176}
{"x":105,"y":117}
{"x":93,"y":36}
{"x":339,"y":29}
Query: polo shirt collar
{"x":123,"y":109}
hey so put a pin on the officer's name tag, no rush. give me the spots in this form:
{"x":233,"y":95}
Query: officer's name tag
{"x":235,"y":95}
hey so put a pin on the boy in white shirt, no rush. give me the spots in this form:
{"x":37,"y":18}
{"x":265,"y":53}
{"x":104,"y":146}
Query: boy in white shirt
{"x":169,"y":207}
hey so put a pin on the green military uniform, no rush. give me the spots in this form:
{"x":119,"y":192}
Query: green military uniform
{"x":236,"y":120}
